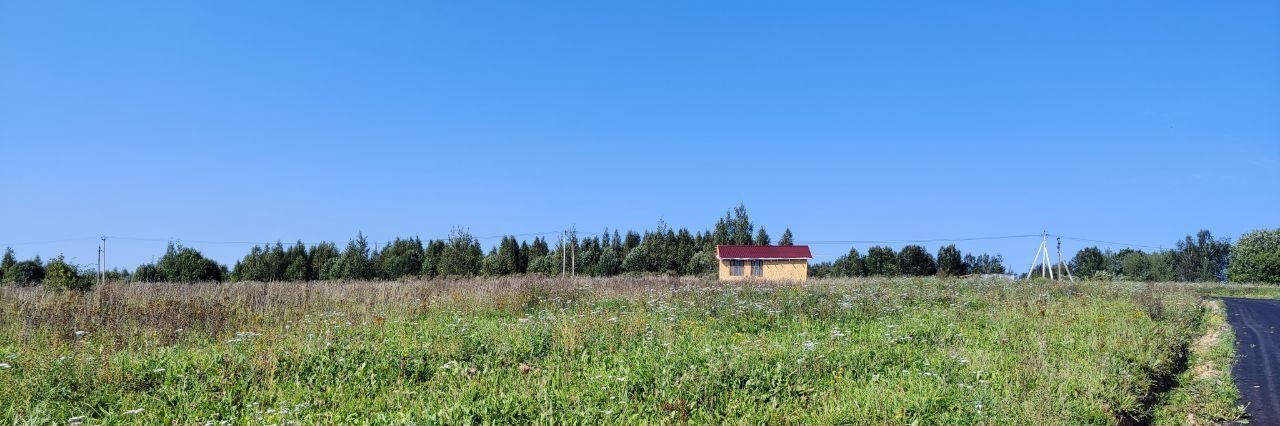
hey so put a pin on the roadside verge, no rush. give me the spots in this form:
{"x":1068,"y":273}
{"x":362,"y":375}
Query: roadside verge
{"x":1205,"y":393}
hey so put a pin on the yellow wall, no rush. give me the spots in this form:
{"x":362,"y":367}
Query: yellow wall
{"x":774,"y":270}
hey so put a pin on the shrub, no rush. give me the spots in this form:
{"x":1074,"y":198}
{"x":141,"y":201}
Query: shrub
{"x":59,"y":275}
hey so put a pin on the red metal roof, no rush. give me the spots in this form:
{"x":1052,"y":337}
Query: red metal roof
{"x":763,"y":252}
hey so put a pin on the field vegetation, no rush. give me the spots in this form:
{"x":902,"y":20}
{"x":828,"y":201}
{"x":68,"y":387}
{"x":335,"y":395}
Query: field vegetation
{"x":616,"y":350}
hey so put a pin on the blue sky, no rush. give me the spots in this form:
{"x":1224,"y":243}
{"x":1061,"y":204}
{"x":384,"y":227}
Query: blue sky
{"x":1136,"y":122}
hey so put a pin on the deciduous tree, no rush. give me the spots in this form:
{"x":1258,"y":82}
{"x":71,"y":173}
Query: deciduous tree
{"x":1256,"y":257}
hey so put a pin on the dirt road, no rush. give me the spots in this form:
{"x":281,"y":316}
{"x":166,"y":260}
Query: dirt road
{"x":1257,"y":371}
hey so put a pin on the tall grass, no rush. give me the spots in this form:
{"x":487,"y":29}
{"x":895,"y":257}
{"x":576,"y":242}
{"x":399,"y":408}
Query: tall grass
{"x":619,"y":350}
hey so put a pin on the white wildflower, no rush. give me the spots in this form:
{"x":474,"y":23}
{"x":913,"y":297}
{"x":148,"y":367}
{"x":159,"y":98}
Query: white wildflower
{"x":133,"y":411}
{"x":76,"y":420}
{"x":5,"y":365}
{"x":158,"y":370}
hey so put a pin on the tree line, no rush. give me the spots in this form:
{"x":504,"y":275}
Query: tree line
{"x":912,"y":260}
{"x":1255,"y":258}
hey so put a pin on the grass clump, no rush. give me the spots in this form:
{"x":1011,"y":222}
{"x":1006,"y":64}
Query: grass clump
{"x":618,"y":350}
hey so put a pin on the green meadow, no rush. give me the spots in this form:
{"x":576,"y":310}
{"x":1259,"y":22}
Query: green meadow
{"x":617,"y":350}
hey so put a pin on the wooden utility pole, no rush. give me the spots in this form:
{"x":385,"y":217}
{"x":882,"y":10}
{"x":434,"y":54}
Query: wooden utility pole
{"x":1063,"y":263}
{"x":103,"y":275}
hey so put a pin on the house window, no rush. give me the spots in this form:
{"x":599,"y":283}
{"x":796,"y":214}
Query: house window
{"x":735,"y":268}
{"x":757,"y":268}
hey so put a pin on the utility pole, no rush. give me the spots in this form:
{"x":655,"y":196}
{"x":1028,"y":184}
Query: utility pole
{"x":573,"y":252}
{"x":104,"y":259}
{"x":563,"y":261}
{"x":100,"y":273}
{"x":1043,"y":250}
{"x":1063,"y":262}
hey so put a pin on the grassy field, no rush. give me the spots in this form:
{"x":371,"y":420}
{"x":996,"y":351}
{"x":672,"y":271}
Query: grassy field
{"x":623,"y":350}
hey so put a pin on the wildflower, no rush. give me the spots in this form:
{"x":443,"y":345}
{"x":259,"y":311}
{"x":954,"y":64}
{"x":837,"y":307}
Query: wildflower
{"x":133,"y":411}
{"x":5,"y":365}
{"x":158,"y":370}
{"x":81,"y":333}
{"x":808,"y":345}
{"x":76,"y":420}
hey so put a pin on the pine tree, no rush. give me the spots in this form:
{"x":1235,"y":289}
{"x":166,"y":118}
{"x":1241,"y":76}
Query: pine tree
{"x":355,"y":262}
{"x":432,"y":256}
{"x":786,"y":239}
{"x":762,"y":237}
{"x":8,"y":262}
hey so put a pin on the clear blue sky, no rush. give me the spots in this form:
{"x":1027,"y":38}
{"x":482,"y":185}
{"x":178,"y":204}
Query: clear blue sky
{"x":1135,"y":122}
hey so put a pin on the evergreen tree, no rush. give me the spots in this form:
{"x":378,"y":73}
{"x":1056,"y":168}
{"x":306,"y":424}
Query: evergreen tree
{"x":786,"y":239}
{"x":432,"y":257}
{"x":950,"y":263}
{"x":6,"y":263}
{"x":491,"y":264}
{"x":297,"y":263}
{"x":916,"y":261}
{"x":400,"y":259}
{"x":322,"y":262}
{"x":509,"y":256}
{"x":762,"y":238}
{"x":524,"y":257}
{"x":631,"y":242}
{"x":355,"y":263}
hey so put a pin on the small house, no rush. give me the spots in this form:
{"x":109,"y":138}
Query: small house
{"x":775,"y":263}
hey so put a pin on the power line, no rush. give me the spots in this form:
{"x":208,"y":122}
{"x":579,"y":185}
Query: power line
{"x":268,"y":243}
{"x":1113,"y":243}
{"x":931,"y":240}
{"x":68,"y":240}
